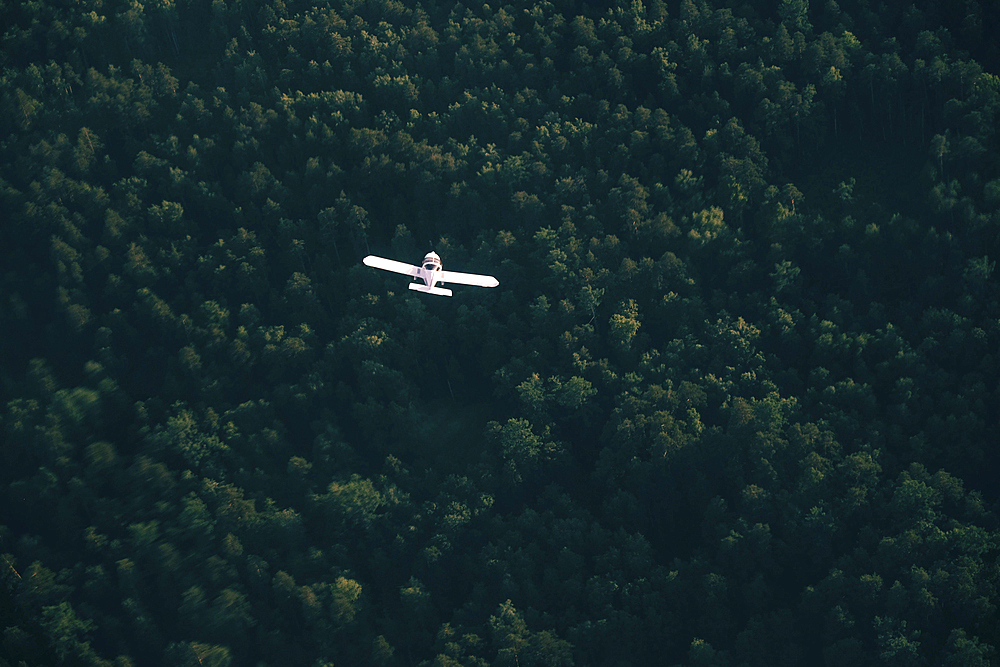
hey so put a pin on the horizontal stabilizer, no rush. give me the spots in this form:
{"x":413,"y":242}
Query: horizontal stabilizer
{"x":440,"y":291}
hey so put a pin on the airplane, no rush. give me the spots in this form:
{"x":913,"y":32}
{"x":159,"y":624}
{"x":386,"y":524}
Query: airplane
{"x":431,"y":273}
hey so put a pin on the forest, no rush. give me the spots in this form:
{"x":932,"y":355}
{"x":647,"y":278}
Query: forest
{"x":735,"y":403}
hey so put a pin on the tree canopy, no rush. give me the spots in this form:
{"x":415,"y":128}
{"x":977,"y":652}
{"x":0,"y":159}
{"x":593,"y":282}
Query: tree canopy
{"x":735,"y":401}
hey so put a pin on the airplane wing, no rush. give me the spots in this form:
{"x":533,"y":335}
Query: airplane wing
{"x":392,"y":265}
{"x":468,"y":279}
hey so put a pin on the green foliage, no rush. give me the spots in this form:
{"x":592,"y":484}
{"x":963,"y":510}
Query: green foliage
{"x":522,"y":454}
{"x":195,"y":653}
{"x":625,"y":325}
{"x":354,"y":502}
{"x":64,"y":629}
{"x":516,"y":645}
{"x":734,"y":401}
{"x":180,"y":434}
{"x":345,"y":594}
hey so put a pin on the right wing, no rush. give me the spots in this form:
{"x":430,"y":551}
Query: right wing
{"x":468,"y":279}
{"x":392,"y":265}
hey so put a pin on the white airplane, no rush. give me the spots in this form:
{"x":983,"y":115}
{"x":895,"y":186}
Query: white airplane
{"x":431,"y":273}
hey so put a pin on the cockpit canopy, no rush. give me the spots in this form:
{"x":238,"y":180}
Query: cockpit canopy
{"x":432,"y":262}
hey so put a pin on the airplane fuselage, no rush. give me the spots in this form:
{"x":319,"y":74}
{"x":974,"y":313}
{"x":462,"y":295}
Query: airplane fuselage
{"x":430,"y":269}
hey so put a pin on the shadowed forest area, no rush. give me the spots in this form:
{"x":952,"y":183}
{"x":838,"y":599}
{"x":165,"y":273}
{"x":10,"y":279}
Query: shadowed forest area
{"x":736,"y":401}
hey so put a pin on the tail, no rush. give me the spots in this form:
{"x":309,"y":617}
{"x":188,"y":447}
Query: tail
{"x":440,"y":291}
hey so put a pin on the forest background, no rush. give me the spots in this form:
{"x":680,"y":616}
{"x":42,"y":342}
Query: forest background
{"x":735,"y":401}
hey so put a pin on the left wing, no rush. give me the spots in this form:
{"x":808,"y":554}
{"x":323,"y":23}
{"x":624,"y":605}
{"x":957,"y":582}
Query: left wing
{"x":468,"y":279}
{"x":392,"y":265}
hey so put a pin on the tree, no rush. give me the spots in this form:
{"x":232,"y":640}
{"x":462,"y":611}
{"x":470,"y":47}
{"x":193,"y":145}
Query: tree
{"x":794,"y":14}
{"x":352,"y":503}
{"x":190,"y":654}
{"x":624,"y":325}
{"x":702,"y":654}
{"x":64,"y":629}
{"x":707,"y":224}
{"x":510,"y":634}
{"x":898,"y":645}
{"x":344,"y":601}
{"x":230,"y":617}
{"x":181,"y":435}
{"x":963,"y":650}
{"x":522,"y":455}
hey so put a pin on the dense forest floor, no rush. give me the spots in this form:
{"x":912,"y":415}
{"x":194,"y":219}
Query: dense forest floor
{"x":889,"y":177}
{"x":735,"y":402}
